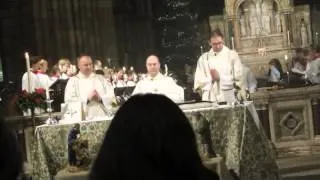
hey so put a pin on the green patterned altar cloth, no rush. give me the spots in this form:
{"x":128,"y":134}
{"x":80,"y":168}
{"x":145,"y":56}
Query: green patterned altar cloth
{"x":233,"y":134}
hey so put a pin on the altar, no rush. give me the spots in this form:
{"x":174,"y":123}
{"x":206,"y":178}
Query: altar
{"x":234,"y":133}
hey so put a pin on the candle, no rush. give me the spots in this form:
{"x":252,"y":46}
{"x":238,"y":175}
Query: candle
{"x":26,"y":55}
{"x":47,"y":93}
{"x":166,"y":69}
{"x":288,"y":34}
{"x":232,"y":42}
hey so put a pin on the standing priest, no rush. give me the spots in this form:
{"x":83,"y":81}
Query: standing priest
{"x":88,"y":88}
{"x":218,"y":70}
{"x":157,"y":83}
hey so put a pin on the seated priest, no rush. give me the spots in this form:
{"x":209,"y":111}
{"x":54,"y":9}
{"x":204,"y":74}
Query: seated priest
{"x":157,"y":83}
{"x":88,"y":88}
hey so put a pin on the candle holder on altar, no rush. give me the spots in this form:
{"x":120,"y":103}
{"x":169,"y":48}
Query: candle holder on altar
{"x":50,"y":120}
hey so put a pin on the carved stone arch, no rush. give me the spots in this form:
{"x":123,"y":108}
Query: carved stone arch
{"x":237,"y":4}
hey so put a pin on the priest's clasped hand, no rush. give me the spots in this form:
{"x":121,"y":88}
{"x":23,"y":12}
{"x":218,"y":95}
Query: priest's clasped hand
{"x":214,"y":75}
{"x":94,"y":96}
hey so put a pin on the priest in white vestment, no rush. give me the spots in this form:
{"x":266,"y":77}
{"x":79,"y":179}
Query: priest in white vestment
{"x":34,"y":79}
{"x":88,"y":88}
{"x":157,"y":83}
{"x":217,"y":71}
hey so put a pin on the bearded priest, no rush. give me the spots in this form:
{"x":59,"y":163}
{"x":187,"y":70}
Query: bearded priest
{"x":157,"y":83}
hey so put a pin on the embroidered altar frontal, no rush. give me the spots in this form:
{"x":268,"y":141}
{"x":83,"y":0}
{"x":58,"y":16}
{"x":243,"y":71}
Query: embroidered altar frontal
{"x":233,"y":133}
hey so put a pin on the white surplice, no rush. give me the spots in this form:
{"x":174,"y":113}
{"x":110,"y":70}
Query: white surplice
{"x":160,"y":84}
{"x":79,"y":87}
{"x":229,"y":67}
{"x":45,"y":80}
{"x":34,"y":82}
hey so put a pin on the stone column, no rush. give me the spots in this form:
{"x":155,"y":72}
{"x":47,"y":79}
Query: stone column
{"x":286,"y":24}
{"x":234,"y":28}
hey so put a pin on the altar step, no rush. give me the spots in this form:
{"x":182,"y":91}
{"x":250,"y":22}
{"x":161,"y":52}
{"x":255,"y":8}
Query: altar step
{"x":300,"y":168}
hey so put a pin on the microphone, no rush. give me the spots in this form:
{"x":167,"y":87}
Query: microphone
{"x":215,"y":54}
{"x":201,"y":48}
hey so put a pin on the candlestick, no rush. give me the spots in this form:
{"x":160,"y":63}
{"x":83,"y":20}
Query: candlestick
{"x":232,"y":42}
{"x":26,"y":55}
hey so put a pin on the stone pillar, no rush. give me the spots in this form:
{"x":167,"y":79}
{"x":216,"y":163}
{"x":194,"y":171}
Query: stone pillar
{"x":234,"y":29}
{"x":286,"y":25}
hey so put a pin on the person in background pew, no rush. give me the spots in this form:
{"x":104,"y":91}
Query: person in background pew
{"x":157,"y":83}
{"x":313,"y":67}
{"x":150,"y":138}
{"x":275,"y":72}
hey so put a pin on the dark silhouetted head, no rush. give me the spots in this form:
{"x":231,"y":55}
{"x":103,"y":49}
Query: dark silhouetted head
{"x":149,"y":138}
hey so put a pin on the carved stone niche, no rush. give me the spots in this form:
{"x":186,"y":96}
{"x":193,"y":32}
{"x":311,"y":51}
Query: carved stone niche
{"x":290,"y":121}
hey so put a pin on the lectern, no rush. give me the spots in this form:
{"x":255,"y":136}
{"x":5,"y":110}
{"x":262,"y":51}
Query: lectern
{"x":57,"y":93}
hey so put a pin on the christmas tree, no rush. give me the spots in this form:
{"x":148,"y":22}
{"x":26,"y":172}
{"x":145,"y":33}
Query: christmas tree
{"x":176,"y":23}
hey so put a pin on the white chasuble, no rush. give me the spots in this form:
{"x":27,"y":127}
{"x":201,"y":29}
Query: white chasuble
{"x":79,"y":87}
{"x":160,"y":84}
{"x":229,"y":67}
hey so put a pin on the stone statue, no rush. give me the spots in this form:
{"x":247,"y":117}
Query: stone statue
{"x":243,"y":26}
{"x":266,"y":23}
{"x":202,"y":130}
{"x":253,"y":25}
{"x":253,"y":20}
{"x":78,"y":151}
{"x":258,"y":7}
{"x":304,"y":34}
{"x":277,"y":22}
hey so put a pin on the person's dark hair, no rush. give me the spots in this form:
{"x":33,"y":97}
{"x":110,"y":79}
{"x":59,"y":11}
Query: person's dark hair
{"x":99,"y":71}
{"x":299,"y":50}
{"x":277,"y":65}
{"x":10,"y":154}
{"x":216,"y":32}
{"x":35,"y":59}
{"x":149,"y":138}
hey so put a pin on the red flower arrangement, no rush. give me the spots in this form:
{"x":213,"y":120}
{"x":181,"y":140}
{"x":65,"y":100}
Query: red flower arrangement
{"x":26,"y":100}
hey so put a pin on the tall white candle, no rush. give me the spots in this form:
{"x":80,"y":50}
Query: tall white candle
{"x":166,"y":69}
{"x":47,"y":93}
{"x":232,"y":42}
{"x":26,"y":55}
